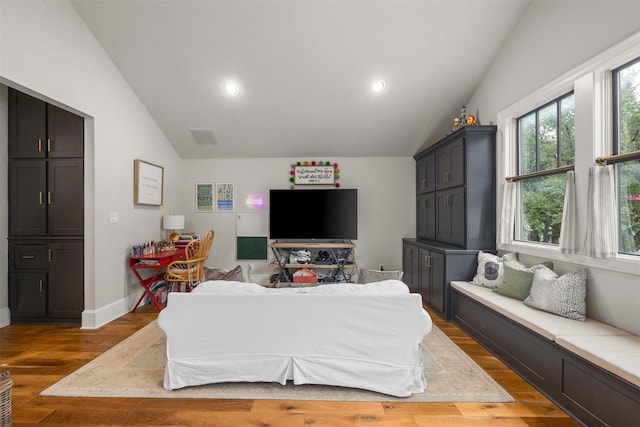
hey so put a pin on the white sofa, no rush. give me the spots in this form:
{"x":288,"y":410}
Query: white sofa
{"x":361,"y":336}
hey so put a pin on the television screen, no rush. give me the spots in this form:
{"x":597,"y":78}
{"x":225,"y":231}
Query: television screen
{"x":325,"y":214}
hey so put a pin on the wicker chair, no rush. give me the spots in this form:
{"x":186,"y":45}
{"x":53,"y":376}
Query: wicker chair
{"x":191,"y":270}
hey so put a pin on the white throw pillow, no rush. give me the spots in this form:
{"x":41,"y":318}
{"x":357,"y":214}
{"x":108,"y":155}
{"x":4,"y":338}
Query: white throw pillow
{"x":490,"y":272}
{"x":565,"y":295}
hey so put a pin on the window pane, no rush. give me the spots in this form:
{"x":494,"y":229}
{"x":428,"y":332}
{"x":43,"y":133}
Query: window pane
{"x":567,"y":131}
{"x":629,"y":201}
{"x":548,"y":136}
{"x":629,"y":109}
{"x":541,"y":202}
{"x":527,"y":142}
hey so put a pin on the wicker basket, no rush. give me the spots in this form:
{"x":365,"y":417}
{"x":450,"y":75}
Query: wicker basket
{"x":5,"y":399}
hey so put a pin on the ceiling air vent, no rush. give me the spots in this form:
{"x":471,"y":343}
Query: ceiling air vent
{"x":203,"y":136}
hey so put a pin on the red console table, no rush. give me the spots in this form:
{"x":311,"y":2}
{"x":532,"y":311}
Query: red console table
{"x":155,"y":264}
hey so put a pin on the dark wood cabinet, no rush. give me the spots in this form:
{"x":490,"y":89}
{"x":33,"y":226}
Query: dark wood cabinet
{"x":46,"y":281}
{"x":41,"y":130}
{"x":450,"y":164}
{"x":431,"y":278}
{"x":426,"y":174}
{"x":455,"y":211}
{"x":426,"y":214}
{"x":46,"y":212}
{"x":450,"y":216}
{"x":437,"y":266}
{"x":47,"y":197}
{"x":411,"y":268}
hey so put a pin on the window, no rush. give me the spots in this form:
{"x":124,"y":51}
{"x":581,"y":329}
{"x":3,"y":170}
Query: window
{"x":545,"y":142}
{"x":626,"y":137}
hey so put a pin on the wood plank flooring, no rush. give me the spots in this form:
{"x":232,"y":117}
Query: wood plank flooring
{"x":38,"y":355}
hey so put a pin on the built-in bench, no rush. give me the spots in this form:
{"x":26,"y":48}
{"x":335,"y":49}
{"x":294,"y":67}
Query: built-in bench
{"x":590,"y":369}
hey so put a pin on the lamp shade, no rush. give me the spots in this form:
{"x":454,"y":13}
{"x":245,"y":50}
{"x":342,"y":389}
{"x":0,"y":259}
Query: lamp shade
{"x":173,"y":222}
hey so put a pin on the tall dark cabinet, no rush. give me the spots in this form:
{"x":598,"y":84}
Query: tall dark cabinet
{"x":455,"y":213}
{"x":46,"y":212}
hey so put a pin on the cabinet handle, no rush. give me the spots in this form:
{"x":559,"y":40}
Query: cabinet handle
{"x":447,"y":175}
{"x":425,"y":203}
{"x":424,"y":183}
{"x":48,"y":144}
{"x":50,"y":255}
{"x":39,"y":144}
{"x":427,"y":261}
{"x":41,"y":287}
{"x":28,"y":257}
{"x":40,"y":196}
{"x":48,"y":197}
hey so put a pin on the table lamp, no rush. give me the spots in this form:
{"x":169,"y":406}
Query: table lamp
{"x":173,"y":222}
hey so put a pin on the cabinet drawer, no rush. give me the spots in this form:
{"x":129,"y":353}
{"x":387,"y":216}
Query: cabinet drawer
{"x":30,"y":256}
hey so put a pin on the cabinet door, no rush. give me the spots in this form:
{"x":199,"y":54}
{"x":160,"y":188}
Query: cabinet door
{"x":28,"y":195}
{"x":65,"y":197}
{"x":437,"y":284}
{"x":450,"y":165}
{"x":426,"y":174}
{"x":410,"y":267}
{"x":450,"y":211}
{"x":425,"y":275}
{"x":65,"y":133}
{"x":28,"y":294}
{"x":426,"y":217}
{"x":66,"y":280}
{"x":27,"y":126}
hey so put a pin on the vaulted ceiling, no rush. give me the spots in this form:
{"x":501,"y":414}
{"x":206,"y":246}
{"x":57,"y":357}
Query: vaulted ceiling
{"x":304,"y":69}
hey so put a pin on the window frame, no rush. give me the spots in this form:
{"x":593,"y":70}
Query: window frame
{"x":615,"y":138}
{"x":591,"y":83}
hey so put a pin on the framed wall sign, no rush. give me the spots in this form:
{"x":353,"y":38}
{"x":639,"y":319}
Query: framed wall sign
{"x":224,"y":197}
{"x":148,"y":182}
{"x":204,"y":197}
{"x":314,"y":175}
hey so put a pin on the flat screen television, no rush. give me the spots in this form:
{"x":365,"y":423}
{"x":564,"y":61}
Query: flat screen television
{"x":322,"y":214}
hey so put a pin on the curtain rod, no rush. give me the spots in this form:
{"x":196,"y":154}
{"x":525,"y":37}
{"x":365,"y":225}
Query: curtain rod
{"x":617,"y":158}
{"x":539,"y":173}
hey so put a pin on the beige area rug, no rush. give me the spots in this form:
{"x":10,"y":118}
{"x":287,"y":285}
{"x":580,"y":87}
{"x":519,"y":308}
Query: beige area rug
{"x":135,"y":368}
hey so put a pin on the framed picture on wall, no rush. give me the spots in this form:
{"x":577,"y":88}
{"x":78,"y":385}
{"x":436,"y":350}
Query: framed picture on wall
{"x":148,"y":182}
{"x":204,"y":197}
{"x":224,"y":197}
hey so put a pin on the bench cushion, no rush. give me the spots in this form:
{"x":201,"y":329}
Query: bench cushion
{"x":617,"y":354}
{"x":546,"y":324}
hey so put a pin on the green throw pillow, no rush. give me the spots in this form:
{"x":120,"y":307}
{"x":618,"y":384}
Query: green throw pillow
{"x":518,"y":278}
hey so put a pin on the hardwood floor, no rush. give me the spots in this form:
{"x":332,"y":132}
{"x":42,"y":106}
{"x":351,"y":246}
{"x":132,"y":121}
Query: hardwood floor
{"x":37,"y":356}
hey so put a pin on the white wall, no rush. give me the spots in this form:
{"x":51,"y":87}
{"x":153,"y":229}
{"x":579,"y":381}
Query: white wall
{"x":47,"y":51}
{"x":386,"y":204}
{"x":551,"y":40}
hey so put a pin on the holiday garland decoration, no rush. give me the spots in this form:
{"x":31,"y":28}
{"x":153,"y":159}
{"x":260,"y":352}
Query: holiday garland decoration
{"x":313,"y":179}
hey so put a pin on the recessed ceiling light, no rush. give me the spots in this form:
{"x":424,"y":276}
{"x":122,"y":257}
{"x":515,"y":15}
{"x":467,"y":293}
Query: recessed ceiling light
{"x":377,"y":86}
{"x":231,"y":88}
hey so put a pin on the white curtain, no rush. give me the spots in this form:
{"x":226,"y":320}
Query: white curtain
{"x":602,"y":228}
{"x":569,"y":218}
{"x":507,"y":213}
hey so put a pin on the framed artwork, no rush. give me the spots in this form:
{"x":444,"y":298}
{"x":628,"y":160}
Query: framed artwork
{"x":224,"y":197}
{"x":314,"y":173}
{"x":148,"y":182}
{"x":204,"y":197}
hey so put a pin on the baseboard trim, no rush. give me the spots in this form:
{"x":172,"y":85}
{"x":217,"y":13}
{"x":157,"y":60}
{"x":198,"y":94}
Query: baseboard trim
{"x":94,"y":319}
{"x":5,"y":317}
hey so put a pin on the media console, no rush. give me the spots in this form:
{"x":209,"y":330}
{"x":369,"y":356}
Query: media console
{"x":336,"y":259}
